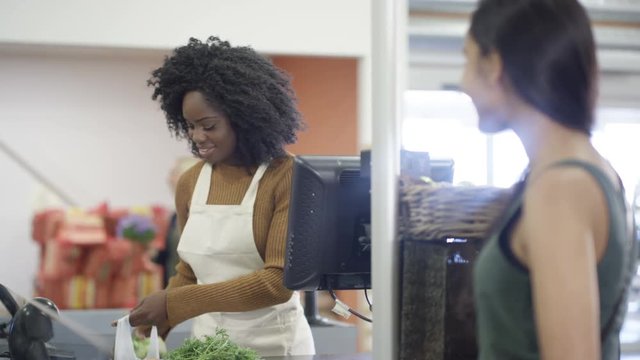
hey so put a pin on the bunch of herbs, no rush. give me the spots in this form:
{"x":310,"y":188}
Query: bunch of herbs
{"x":217,"y":347}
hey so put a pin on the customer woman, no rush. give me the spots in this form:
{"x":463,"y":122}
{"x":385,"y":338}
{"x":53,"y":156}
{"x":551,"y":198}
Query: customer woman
{"x":551,"y":281}
{"x":237,"y":111}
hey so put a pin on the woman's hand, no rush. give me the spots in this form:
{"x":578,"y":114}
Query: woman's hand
{"x":152,"y":310}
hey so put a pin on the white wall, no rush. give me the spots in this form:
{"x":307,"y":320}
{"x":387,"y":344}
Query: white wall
{"x":88,"y":124}
{"x":18,"y":255}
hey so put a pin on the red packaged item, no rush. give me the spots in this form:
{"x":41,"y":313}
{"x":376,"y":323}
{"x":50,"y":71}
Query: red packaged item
{"x":76,"y":292}
{"x":149,"y":281}
{"x":60,"y":260}
{"x":123,"y":292}
{"x":45,"y":224}
{"x":141,"y":258}
{"x":108,"y":266}
{"x":162,"y":218}
{"x":80,"y":293}
{"x":102,"y":293}
{"x":111,"y":221}
{"x":88,"y":293}
{"x":105,"y":261}
{"x":98,"y":266}
{"x":101,"y":210}
{"x":121,"y":256}
{"x":82,"y":228}
{"x":53,"y":289}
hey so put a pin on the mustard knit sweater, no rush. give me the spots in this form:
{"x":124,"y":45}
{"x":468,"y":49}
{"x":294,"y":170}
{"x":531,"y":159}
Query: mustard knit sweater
{"x":185,"y":298}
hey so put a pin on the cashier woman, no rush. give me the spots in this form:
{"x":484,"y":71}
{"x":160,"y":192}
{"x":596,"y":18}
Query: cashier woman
{"x":237,"y":111}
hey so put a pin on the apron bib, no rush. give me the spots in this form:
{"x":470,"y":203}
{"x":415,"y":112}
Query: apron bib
{"x":218,"y":243}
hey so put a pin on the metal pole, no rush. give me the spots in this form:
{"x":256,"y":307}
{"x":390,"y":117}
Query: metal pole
{"x":4,"y":148}
{"x":388,"y":84}
{"x":490,"y":163}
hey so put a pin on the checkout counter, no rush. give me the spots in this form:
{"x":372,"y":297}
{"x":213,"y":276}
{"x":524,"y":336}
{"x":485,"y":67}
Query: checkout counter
{"x":329,"y":340}
{"x":332,"y":342}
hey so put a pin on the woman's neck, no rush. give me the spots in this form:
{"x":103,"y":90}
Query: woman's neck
{"x":545,"y":141}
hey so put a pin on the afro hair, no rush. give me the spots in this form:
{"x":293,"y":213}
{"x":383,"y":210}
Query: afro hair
{"x":255,"y":95}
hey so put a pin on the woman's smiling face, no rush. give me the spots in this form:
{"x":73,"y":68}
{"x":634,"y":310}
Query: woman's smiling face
{"x":209,"y":129}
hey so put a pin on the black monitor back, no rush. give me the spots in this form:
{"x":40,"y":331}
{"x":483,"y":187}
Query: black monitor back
{"x":328,"y":241}
{"x":329,"y":230}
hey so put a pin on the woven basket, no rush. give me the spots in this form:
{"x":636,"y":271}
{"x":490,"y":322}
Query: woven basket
{"x":437,"y":313}
{"x":439,"y":211}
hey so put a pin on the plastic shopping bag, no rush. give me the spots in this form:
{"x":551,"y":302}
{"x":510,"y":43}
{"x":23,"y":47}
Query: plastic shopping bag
{"x":124,"y":345}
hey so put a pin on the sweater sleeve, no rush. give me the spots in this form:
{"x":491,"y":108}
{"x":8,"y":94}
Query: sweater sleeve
{"x":253,"y":291}
{"x":184,"y":274}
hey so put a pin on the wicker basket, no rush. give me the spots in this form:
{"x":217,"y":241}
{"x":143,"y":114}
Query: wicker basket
{"x":442,"y":228}
{"x":439,"y":211}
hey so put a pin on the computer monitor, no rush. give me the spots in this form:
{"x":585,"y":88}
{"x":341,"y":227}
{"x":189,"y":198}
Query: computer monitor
{"x":328,"y":240}
{"x":329,"y":231}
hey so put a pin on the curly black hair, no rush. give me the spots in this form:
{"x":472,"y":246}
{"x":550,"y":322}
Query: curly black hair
{"x":254,"y":94}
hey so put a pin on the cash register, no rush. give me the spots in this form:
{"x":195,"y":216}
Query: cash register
{"x":25,"y":335}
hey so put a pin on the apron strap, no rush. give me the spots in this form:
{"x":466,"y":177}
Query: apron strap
{"x":201,"y":191}
{"x":203,"y":184}
{"x":250,"y":195}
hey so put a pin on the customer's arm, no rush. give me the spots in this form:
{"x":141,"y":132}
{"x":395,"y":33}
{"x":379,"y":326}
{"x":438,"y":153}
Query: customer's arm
{"x":563,"y":217}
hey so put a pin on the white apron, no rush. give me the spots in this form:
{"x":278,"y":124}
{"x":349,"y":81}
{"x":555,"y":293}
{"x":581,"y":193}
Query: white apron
{"x":218,"y":243}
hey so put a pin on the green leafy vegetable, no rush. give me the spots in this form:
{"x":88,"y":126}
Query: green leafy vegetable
{"x":141,"y":347}
{"x":217,"y":347}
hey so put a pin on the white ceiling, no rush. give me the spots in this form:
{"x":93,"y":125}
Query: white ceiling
{"x":435,"y":46}
{"x":434,"y":39}
{"x":627,"y":11}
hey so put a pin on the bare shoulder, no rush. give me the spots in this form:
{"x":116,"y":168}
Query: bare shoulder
{"x":562,"y":189}
{"x":558,"y":181}
{"x":564,"y":185}
{"x":562,"y":202}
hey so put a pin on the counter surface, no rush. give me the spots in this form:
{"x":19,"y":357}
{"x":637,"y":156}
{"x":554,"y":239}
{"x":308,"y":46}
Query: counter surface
{"x":360,"y":356}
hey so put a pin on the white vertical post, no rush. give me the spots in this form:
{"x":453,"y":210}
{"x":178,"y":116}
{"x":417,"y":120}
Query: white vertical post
{"x":490,"y":165}
{"x":388,"y":84}
{"x":365,"y":131}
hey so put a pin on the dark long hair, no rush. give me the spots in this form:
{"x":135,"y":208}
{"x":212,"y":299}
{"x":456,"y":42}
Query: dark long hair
{"x":548,"y":54}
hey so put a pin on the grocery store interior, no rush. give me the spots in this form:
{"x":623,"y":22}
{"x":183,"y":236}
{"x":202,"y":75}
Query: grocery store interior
{"x":82,"y":142}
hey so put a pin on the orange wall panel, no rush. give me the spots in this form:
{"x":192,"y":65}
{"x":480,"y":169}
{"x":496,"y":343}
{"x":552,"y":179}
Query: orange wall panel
{"x":326,"y":89}
{"x":327,"y":98}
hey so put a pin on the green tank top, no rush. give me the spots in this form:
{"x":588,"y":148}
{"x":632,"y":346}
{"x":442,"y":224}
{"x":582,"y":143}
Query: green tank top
{"x":502,"y":287}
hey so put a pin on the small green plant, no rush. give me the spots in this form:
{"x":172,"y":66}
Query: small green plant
{"x":136,"y":228}
{"x":217,"y":347}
